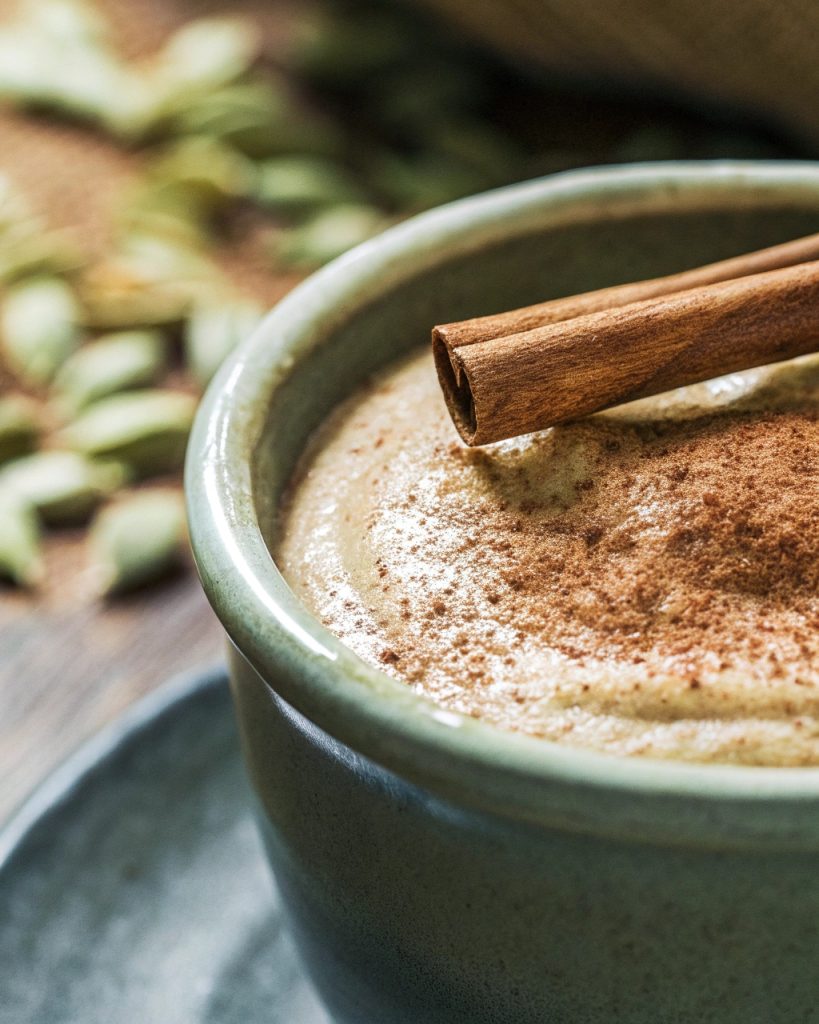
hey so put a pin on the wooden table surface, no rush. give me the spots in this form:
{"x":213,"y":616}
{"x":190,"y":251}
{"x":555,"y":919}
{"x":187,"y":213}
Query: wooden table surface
{"x":70,"y":667}
{"x":69,"y":663}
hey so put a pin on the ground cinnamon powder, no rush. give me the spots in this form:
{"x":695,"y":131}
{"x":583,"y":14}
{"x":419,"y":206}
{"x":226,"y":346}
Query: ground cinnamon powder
{"x":645,"y":581}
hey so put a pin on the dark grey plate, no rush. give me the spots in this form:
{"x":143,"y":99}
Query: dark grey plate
{"x":133,"y":887}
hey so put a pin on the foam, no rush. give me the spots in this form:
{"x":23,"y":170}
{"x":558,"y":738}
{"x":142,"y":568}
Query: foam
{"x":643,"y":582}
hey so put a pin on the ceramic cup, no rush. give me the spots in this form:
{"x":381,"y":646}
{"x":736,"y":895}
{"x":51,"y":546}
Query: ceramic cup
{"x":434,"y":869}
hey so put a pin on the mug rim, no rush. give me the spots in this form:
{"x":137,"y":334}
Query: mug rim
{"x":453,"y":755}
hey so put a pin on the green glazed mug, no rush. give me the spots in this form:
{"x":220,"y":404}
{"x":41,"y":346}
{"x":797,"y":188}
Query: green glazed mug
{"x":435,"y":869}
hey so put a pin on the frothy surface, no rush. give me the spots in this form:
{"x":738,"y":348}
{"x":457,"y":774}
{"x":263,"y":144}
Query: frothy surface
{"x":643,"y":582}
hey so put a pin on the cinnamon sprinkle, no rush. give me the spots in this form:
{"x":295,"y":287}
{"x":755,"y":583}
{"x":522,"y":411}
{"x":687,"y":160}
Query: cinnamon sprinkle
{"x":643,"y":582}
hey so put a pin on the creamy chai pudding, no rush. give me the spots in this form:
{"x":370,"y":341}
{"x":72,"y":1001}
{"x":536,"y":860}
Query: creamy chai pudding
{"x":641,"y":582}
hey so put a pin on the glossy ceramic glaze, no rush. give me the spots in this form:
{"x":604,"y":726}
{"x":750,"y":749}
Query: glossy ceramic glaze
{"x":437,"y":870}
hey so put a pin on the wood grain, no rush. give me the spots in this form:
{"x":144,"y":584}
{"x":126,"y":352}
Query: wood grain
{"x":70,"y":667}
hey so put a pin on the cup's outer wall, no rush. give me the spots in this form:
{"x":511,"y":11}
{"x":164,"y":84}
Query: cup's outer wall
{"x":408,"y":910}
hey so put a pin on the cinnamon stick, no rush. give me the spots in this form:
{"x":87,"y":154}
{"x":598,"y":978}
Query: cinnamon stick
{"x":498,"y":325}
{"x":509,"y":384}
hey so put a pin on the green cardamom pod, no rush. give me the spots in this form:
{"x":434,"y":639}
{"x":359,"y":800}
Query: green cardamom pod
{"x":328,"y":235}
{"x":185,"y":190}
{"x":113,"y":363}
{"x":22,"y":52}
{"x":147,"y":430}
{"x":259,"y":119}
{"x":211,"y":171}
{"x":219,"y":112}
{"x":115,"y":300}
{"x":298,"y":184}
{"x":61,"y":58}
{"x":151,"y":281}
{"x":170,"y":268}
{"x":128,"y":110}
{"x":75,"y":78}
{"x":28,"y":249}
{"x":71,"y":22}
{"x":39,"y":327}
{"x":19,"y":426}
{"x":210,"y":52}
{"x":21,"y":559}
{"x":203,"y":55}
{"x":62,"y":487}
{"x":162,"y":262}
{"x":213,"y":331}
{"x":27,"y":245}
{"x":169,"y":211}
{"x":137,"y":540}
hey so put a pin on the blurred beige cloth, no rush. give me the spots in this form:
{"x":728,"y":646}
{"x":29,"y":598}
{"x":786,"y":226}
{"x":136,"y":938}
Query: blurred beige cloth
{"x":760,"y":56}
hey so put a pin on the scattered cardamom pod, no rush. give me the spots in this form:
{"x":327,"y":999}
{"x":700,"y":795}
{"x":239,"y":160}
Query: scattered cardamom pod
{"x":128,"y":111}
{"x":115,"y":296}
{"x":72,"y":22}
{"x":21,"y":559}
{"x":232,"y":110}
{"x":152,"y":281}
{"x":213,"y":331}
{"x":137,"y":540}
{"x":328,"y":234}
{"x":75,"y":78}
{"x":27,"y":249}
{"x":260,"y":119}
{"x":297,"y":184}
{"x":169,"y":211}
{"x":113,"y":363}
{"x":61,"y":59}
{"x":19,"y":426}
{"x":169,"y":264}
{"x":211,"y":171}
{"x":203,"y":55}
{"x":27,"y":245}
{"x":62,"y":487}
{"x":109,"y":307}
{"x":23,"y":55}
{"x":39,"y":326}
{"x":147,"y":430}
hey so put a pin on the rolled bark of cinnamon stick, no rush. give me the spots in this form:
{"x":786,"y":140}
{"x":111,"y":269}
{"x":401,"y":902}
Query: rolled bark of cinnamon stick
{"x":516,"y":321}
{"x":517,"y":383}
